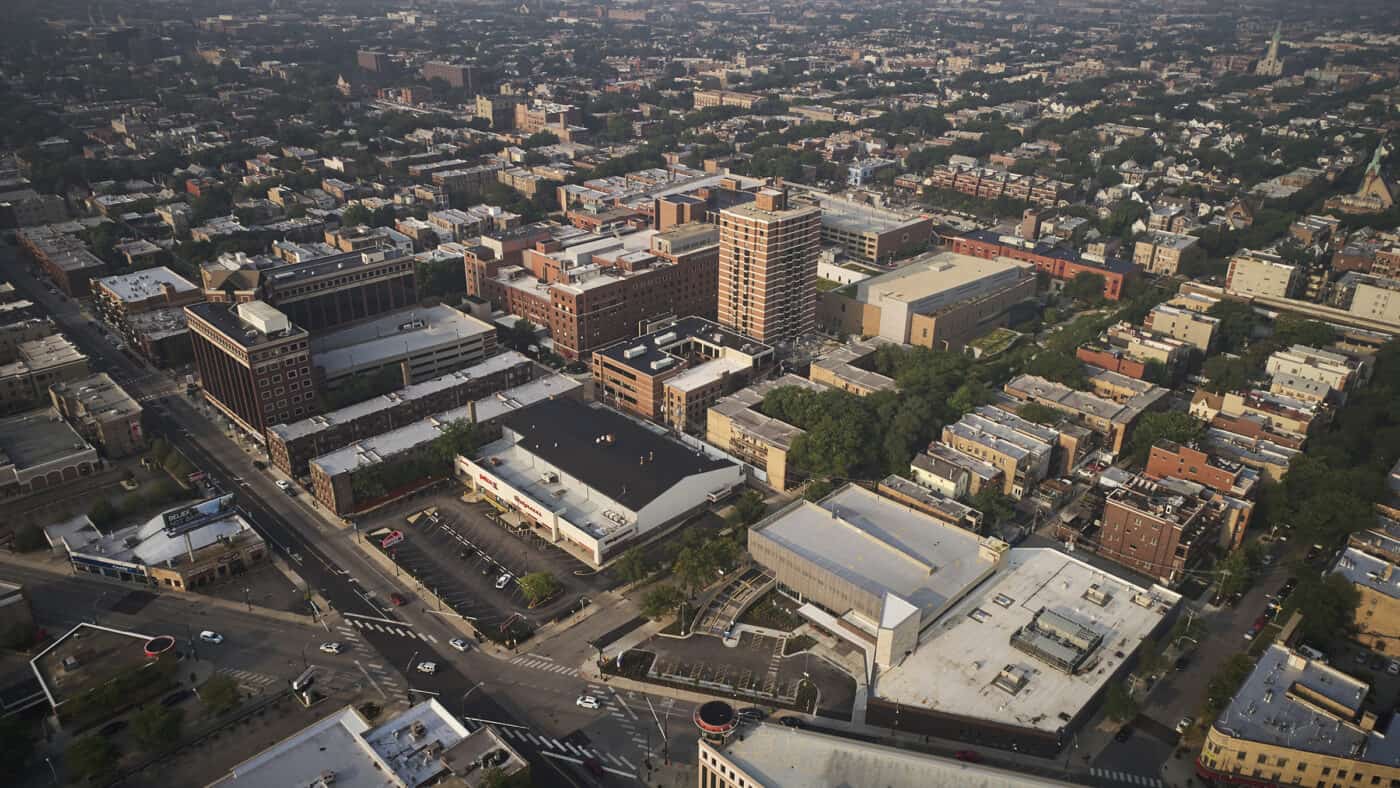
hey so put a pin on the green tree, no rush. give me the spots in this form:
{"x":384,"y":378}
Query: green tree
{"x":219,"y":695}
{"x":661,"y":601}
{"x":539,"y":587}
{"x":969,"y":395}
{"x":29,"y":537}
{"x":1058,"y":366}
{"x":17,"y":742}
{"x":155,"y":727}
{"x":1237,"y":323}
{"x":384,"y":216}
{"x":1290,"y":331}
{"x":749,"y":509}
{"x":1086,"y":286}
{"x":1118,"y":703}
{"x":1040,"y":414}
{"x":355,"y":215}
{"x":495,"y":777}
{"x":1226,"y":373}
{"x":632,"y":566}
{"x":1226,"y":682}
{"x":1153,"y":428}
{"x":819,"y":489}
{"x":90,"y":757}
{"x":1328,"y":604}
{"x":540,"y":139}
{"x":995,"y":506}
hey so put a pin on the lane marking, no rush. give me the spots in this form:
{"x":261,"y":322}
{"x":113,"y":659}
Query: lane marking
{"x":374,"y":618}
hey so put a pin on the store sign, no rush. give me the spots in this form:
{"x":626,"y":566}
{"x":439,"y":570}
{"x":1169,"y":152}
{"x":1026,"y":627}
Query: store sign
{"x":393,"y":538}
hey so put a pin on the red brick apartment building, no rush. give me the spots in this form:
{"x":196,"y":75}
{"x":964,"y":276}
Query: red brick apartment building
{"x":1061,"y":264}
{"x":592,"y":290}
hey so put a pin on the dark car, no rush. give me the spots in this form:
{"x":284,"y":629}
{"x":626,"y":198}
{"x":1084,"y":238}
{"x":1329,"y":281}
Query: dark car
{"x":260,"y":465}
{"x":752,"y":713}
{"x":112,"y":728}
{"x":175,"y":697}
{"x":1287,"y":588}
{"x":970,"y":756}
{"x":792,"y":722}
{"x":1124,"y":733}
{"x":397,"y":599}
{"x":594,"y":767}
{"x":1182,"y":663}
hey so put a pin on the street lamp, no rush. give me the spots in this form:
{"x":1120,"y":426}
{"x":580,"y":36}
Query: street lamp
{"x":96,"y":606}
{"x":474,"y":688}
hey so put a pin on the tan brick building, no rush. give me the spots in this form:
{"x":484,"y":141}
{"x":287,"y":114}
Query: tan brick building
{"x":768,"y":268}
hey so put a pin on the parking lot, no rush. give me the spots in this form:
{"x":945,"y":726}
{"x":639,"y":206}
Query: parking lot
{"x":462,"y":554}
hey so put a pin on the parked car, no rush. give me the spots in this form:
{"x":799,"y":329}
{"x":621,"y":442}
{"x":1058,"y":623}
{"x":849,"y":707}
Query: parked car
{"x":792,"y":722}
{"x":1124,"y":733}
{"x":459,"y":644}
{"x":397,"y":599}
{"x":210,"y":636}
{"x":260,"y":465}
{"x":427,"y":667}
{"x":586,"y":702}
{"x":1287,"y":588}
{"x":331,"y":648}
{"x":752,"y":714}
{"x":175,"y":697}
{"x":970,"y":756}
{"x":1182,"y":663}
{"x":112,"y":728}
{"x":284,"y":485}
{"x":1393,"y":668}
{"x":1184,"y":724}
{"x":1314,"y":552}
{"x":503,"y":581}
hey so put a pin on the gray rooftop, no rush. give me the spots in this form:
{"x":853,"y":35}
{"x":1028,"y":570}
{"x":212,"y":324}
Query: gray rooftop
{"x":1364,"y":569}
{"x":394,"y":335}
{"x":38,"y":437}
{"x":145,"y":284}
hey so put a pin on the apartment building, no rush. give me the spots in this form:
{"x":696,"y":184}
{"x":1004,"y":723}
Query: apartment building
{"x":253,"y":363}
{"x":546,"y":116}
{"x":1194,"y":328}
{"x":454,"y":74}
{"x":848,"y":368}
{"x":593,"y":290}
{"x":1377,"y":582}
{"x":1255,"y":273}
{"x":38,"y":364}
{"x":64,"y":258}
{"x":1113,"y":420}
{"x":768,"y":268}
{"x":946,"y":470}
{"x":1021,"y":450}
{"x":1256,"y":741}
{"x":1370,"y":297}
{"x":675,"y":372}
{"x":1169,"y":459}
{"x":1061,"y":264}
{"x":736,"y":425}
{"x":145,"y":309}
{"x":1163,"y":253}
{"x":1334,"y":370}
{"x":1152,"y":529}
{"x":726,"y":98}
{"x":102,"y":412}
{"x":499,"y":110}
{"x":1148,"y":346}
{"x":985,"y":183}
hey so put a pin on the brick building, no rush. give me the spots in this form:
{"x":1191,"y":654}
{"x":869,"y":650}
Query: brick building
{"x":1061,"y":264}
{"x":768,"y":267}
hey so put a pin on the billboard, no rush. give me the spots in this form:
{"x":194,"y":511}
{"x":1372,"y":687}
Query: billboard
{"x":390,"y":539}
{"x":188,"y":518}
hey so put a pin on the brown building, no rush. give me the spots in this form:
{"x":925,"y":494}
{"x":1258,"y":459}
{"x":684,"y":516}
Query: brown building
{"x":1169,"y":459}
{"x":291,"y":446}
{"x":322,"y":293}
{"x":1155,"y":531}
{"x":1061,"y":264}
{"x":102,"y":412}
{"x":377,"y":62}
{"x":674,"y":373}
{"x":457,"y":76}
{"x":593,"y":290}
{"x":546,"y":116}
{"x":499,"y":110}
{"x":768,"y":268}
{"x":122,"y":301}
{"x":254,"y":363}
{"x":63,"y":257}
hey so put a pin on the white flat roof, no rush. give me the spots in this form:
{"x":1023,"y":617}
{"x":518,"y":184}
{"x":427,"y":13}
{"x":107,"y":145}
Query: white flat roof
{"x":958,"y":658}
{"x":708,"y":372}
{"x":145,"y":284}
{"x":390,"y":336}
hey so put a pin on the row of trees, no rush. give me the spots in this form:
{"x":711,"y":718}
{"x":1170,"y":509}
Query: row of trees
{"x":432,"y":461}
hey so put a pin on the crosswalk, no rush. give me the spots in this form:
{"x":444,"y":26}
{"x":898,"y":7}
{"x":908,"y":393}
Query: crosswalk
{"x":570,"y":749}
{"x":387,"y":680}
{"x":1127,"y":778}
{"x":248,"y":678}
{"x":529,"y":661}
{"x":392,"y":629}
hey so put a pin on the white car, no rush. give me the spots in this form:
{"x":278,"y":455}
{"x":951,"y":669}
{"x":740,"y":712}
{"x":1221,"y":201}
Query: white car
{"x":331,"y":648}
{"x":503,"y":581}
{"x":1393,"y":668}
{"x":210,"y":636}
{"x":427,"y":667}
{"x":459,"y":644}
{"x":1184,"y":723}
{"x":586,"y":702}
{"x":283,"y":485}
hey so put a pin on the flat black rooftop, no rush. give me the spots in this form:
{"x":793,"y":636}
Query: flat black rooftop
{"x":226,"y":320}
{"x":634,"y":468}
{"x":677,"y":333}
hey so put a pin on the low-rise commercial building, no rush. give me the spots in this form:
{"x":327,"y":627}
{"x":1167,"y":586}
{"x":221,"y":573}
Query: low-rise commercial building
{"x":593,"y":481}
{"x":676,"y":371}
{"x":122,"y":300}
{"x":1297,"y":720}
{"x":419,"y":344}
{"x":102,"y":412}
{"x":333,"y":474}
{"x":66,"y":259}
{"x":40,"y":451}
{"x":291,"y":446}
{"x":942,"y":300}
{"x":183,"y":548}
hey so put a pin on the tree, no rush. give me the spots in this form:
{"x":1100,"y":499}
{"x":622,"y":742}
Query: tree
{"x":1118,"y":703}
{"x":384,"y":216}
{"x":29,"y":537}
{"x":1226,"y":373}
{"x":994,"y":505}
{"x":1226,"y":682}
{"x":969,"y":395}
{"x":356,"y":215}
{"x":632,"y":566}
{"x":155,"y":727}
{"x":495,"y":777}
{"x":90,"y":757}
{"x":749,"y":509}
{"x":219,"y":694}
{"x":1058,"y":366}
{"x":1237,"y":323}
{"x":539,"y":587}
{"x":1154,"y":428}
{"x":17,"y":742}
{"x":1039,"y":413}
{"x":1290,"y":331}
{"x":661,"y":601}
{"x":540,"y":139}
{"x":818,"y":489}
{"x":1328,"y":604}
{"x":1086,"y":286}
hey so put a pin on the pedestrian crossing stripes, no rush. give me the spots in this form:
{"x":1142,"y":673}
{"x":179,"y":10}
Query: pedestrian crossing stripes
{"x":388,"y":629}
{"x":1127,"y":777}
{"x":545,"y":665}
{"x":248,"y":677}
{"x":569,"y":748}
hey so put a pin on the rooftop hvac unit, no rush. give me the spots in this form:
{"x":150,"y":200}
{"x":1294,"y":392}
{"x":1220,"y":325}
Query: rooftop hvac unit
{"x":550,"y":477}
{"x":662,"y":363}
{"x":669,"y":336}
{"x":633,"y":352}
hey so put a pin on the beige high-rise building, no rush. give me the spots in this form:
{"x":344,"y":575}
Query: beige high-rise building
{"x":768,"y":267}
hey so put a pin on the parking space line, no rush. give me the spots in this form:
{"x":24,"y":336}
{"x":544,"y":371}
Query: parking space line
{"x":557,"y":756}
{"x":630,"y":765}
{"x":431,"y":638}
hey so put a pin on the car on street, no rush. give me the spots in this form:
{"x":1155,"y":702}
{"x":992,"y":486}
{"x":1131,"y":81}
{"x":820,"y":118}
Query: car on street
{"x":112,"y":728}
{"x":969,"y":756}
{"x":459,"y":644}
{"x":1314,"y":552}
{"x":1184,"y":724}
{"x":752,"y":714}
{"x":1287,"y":588}
{"x":331,"y":648}
{"x":283,"y":485}
{"x":175,"y":697}
{"x":586,"y":702}
{"x":1124,"y":733}
{"x":1182,"y":663}
{"x":1393,"y":668}
{"x":210,"y":636}
{"x":792,"y":722}
{"x":594,"y":767}
{"x":1360,"y":658}
{"x":397,"y":599}
{"x":1259,"y":624}
{"x":427,"y":667}
{"x":503,"y":581}
{"x":260,"y":465}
